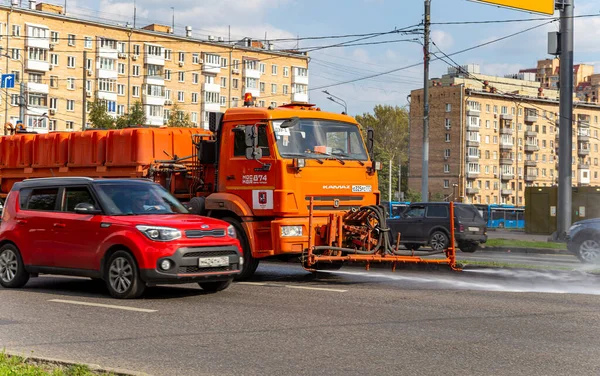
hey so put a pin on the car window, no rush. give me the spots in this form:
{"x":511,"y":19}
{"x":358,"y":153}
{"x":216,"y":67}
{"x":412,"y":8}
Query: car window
{"x":24,"y":195}
{"x":137,"y":199}
{"x":75,"y":196}
{"x":415,"y":212}
{"x":468,"y":213}
{"x":43,"y":199}
{"x":437,"y":211}
{"x":239,"y":142}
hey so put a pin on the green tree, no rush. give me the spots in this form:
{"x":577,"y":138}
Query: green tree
{"x":178,"y":118}
{"x":390,"y":124}
{"x":99,"y":116}
{"x":135,"y":117}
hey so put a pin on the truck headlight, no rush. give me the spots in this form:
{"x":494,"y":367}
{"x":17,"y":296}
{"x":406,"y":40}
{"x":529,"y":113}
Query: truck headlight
{"x":231,"y":232}
{"x":161,"y":234}
{"x":291,"y":231}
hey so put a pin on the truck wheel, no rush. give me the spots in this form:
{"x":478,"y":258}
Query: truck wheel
{"x":213,"y":287}
{"x":123,"y":276}
{"x":12,"y":270}
{"x":250,"y":263}
{"x":438,"y":241}
{"x":468,"y":247}
{"x":197,"y":205}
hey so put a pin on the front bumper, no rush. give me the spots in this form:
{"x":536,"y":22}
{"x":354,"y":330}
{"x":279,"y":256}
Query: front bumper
{"x":185,"y":266}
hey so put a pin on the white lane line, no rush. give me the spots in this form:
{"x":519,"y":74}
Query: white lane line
{"x":253,"y":283}
{"x":315,"y":288}
{"x":102,"y":305}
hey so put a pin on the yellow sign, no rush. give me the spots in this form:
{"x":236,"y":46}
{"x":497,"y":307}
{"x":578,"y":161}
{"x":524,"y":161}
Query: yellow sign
{"x":537,"y":6}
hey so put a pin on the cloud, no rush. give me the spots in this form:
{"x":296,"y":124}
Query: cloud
{"x":442,"y":39}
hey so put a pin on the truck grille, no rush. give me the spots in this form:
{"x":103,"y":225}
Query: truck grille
{"x":195,"y":269}
{"x":210,"y":253}
{"x":344,"y":203}
{"x":204,"y":233}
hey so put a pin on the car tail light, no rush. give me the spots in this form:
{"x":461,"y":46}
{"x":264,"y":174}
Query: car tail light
{"x":461,"y":228}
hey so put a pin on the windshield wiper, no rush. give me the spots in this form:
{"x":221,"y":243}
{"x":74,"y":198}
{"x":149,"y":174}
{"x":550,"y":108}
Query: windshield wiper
{"x":302,"y":156}
{"x":332,"y":156}
{"x":349,"y":158}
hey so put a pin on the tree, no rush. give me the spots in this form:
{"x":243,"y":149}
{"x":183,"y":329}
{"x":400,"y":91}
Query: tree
{"x":134,"y":118}
{"x":178,"y":118}
{"x":391,"y":143}
{"x":99,"y":116}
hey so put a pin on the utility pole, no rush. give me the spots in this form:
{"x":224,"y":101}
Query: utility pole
{"x":425,"y":167}
{"x":6,"y":97}
{"x":390,"y":182}
{"x":83,"y":92}
{"x":566,"y":124}
{"x":400,"y":198}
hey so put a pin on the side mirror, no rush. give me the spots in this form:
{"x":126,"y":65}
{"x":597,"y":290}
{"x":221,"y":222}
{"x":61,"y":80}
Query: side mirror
{"x":371,"y":142}
{"x":252,"y":149}
{"x":86,"y":208}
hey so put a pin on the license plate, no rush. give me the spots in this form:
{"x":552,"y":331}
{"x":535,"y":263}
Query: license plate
{"x":474,"y":229}
{"x":211,"y":262}
{"x":361,"y":188}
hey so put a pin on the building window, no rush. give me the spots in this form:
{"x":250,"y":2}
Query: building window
{"x":274,"y":88}
{"x":168,"y":54}
{"x":69,"y":125}
{"x":195,"y":78}
{"x":223,"y":62}
{"x":121,"y":89}
{"x":194,"y":97}
{"x":121,"y":69}
{"x":448,"y":124}
{"x":285,"y":89}
{"x":121,"y":110}
{"x":446,"y":183}
{"x":136,"y":71}
{"x":235,"y":83}
{"x":181,"y":76}
{"x":182,"y":57}
{"x":180,"y":96}
{"x":71,"y":83}
{"x":87,"y":42}
{"x":70,"y":105}
{"x":53,"y":103}
{"x":54,"y":37}
{"x":54,"y":59}
{"x":235,"y":65}
{"x":135,"y":91}
{"x":54,"y":82}
{"x":262,"y":67}
{"x":448,"y":107}
{"x":136,"y":49}
{"x":262,"y":87}
{"x":446,"y":168}
{"x":447,"y":153}
{"x":167,"y":74}
{"x":71,"y":39}
{"x":286,"y":71}
{"x":195,"y":58}
{"x":274,"y":70}
{"x":223,"y":82}
{"x":223,"y":101}
{"x":447,"y":137}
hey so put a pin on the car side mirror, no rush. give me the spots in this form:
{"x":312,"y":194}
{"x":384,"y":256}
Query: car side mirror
{"x":252,"y":149}
{"x":86,"y":208}
{"x":371,"y":142}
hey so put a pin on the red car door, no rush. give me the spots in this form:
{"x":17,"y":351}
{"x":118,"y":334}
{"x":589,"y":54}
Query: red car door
{"x":79,"y":236}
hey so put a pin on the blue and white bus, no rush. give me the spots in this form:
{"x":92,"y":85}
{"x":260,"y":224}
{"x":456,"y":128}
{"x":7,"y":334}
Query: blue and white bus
{"x":503,"y":216}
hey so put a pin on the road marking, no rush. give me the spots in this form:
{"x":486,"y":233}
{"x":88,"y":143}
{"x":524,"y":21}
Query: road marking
{"x":314,"y":288}
{"x":102,"y":305}
{"x":253,"y":283}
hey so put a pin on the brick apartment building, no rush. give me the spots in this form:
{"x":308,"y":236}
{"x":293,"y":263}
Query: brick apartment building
{"x":493,"y":143}
{"x":45,"y":50}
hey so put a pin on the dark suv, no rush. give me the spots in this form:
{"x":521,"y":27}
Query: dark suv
{"x":584,"y":240}
{"x":429,"y":224}
{"x":130,"y":233}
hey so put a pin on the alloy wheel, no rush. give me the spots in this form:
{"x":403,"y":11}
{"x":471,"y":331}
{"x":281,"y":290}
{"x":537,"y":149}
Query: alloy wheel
{"x":120,"y":275}
{"x":589,"y":251}
{"x":8,"y":265}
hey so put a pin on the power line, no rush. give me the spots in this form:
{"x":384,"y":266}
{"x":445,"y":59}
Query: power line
{"x":510,"y":20}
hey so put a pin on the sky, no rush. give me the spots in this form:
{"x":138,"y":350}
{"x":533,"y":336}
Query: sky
{"x":330,"y":66}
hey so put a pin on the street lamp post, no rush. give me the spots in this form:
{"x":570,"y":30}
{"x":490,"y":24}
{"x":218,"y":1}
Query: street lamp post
{"x":331,"y":96}
{"x":21,"y":92}
{"x":454,"y":185}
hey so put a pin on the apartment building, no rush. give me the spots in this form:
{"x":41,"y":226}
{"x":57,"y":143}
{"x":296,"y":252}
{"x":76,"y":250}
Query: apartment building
{"x":65,"y":63}
{"x":492,"y":144}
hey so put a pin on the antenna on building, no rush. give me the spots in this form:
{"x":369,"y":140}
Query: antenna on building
{"x":134,"y":13}
{"x":65,"y":8}
{"x":173,"y":29}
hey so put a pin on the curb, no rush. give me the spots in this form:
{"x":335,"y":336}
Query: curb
{"x":543,"y":251}
{"x":63,"y":362}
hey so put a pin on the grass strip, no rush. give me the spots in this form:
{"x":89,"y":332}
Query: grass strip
{"x":524,"y":244}
{"x":496,"y":264}
{"x":20,"y":366}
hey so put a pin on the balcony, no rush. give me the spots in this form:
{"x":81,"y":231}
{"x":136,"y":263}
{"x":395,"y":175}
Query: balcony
{"x":299,"y":79}
{"x":530,"y":178}
{"x":154,"y":59}
{"x":472,"y":158}
{"x":583,"y":123}
{"x":506,"y":145}
{"x":299,"y":97}
{"x":107,"y":73}
{"x":472,"y":191}
{"x":153,"y":100}
{"x":506,"y":116}
{"x":38,"y":42}
{"x":583,"y":136}
{"x":506,"y":192}
{"x":507,"y":176}
{"x":254,"y":91}
{"x":472,"y":174}
{"x":472,"y":128}
{"x":211,"y":107}
{"x":506,"y":161}
{"x":212,"y":88}
{"x":583,"y":166}
{"x":473,"y":112}
{"x":531,"y":133}
{"x":531,"y":117}
{"x":154,"y":80}
{"x":583,"y":151}
{"x":209,"y":67}
{"x":34,"y":87}
{"x":106,"y":95}
{"x":531,"y":148}
{"x":530,"y":163}
{"x":37,"y":65}
{"x":252,"y":73}
{"x":155,"y":121}
{"x":473,"y":143}
{"x":506,"y":131}
{"x":108,"y":52}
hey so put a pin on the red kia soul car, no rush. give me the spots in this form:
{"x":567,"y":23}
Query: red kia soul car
{"x":130,"y":233}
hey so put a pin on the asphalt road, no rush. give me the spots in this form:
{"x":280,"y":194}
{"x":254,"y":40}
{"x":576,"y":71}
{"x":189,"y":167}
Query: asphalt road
{"x":351,"y":322}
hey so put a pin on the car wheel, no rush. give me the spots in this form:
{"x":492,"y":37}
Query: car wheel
{"x":468,"y":247}
{"x":589,"y":251}
{"x":438,"y":241}
{"x":12,"y":269}
{"x":250,"y":263}
{"x":213,"y":287}
{"x":123,"y":277}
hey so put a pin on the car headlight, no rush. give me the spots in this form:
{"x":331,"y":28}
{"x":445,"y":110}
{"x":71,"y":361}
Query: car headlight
{"x":291,"y":231}
{"x":162,"y":234}
{"x":231,"y":232}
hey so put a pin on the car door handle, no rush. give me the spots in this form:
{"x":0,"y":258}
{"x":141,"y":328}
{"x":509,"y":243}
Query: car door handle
{"x":60,"y":225}
{"x":21,"y":221}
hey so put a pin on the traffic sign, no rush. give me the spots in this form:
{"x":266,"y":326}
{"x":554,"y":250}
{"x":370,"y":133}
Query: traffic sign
{"x":537,"y":6}
{"x":7,"y":81}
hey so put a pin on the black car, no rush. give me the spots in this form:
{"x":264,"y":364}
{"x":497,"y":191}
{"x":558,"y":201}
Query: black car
{"x":584,"y":240}
{"x":429,"y":224}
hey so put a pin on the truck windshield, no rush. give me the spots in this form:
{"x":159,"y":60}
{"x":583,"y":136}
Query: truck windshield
{"x":137,"y":199}
{"x":316,"y":139}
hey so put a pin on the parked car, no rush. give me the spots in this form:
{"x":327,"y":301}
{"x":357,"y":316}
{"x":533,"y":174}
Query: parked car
{"x":429,"y":224}
{"x":130,"y":233}
{"x":584,"y":240}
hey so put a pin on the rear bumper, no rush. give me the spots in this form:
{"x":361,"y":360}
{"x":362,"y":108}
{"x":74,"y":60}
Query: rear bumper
{"x":185,"y":266}
{"x":471,"y":238}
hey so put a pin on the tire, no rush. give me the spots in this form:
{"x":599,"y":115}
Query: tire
{"x":250,"y":263}
{"x":468,"y":247}
{"x":123,"y":276}
{"x":197,"y":205}
{"x":213,"y":287}
{"x":588,"y":251}
{"x":12,"y":269}
{"x":412,"y":246}
{"x":439,"y":241}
